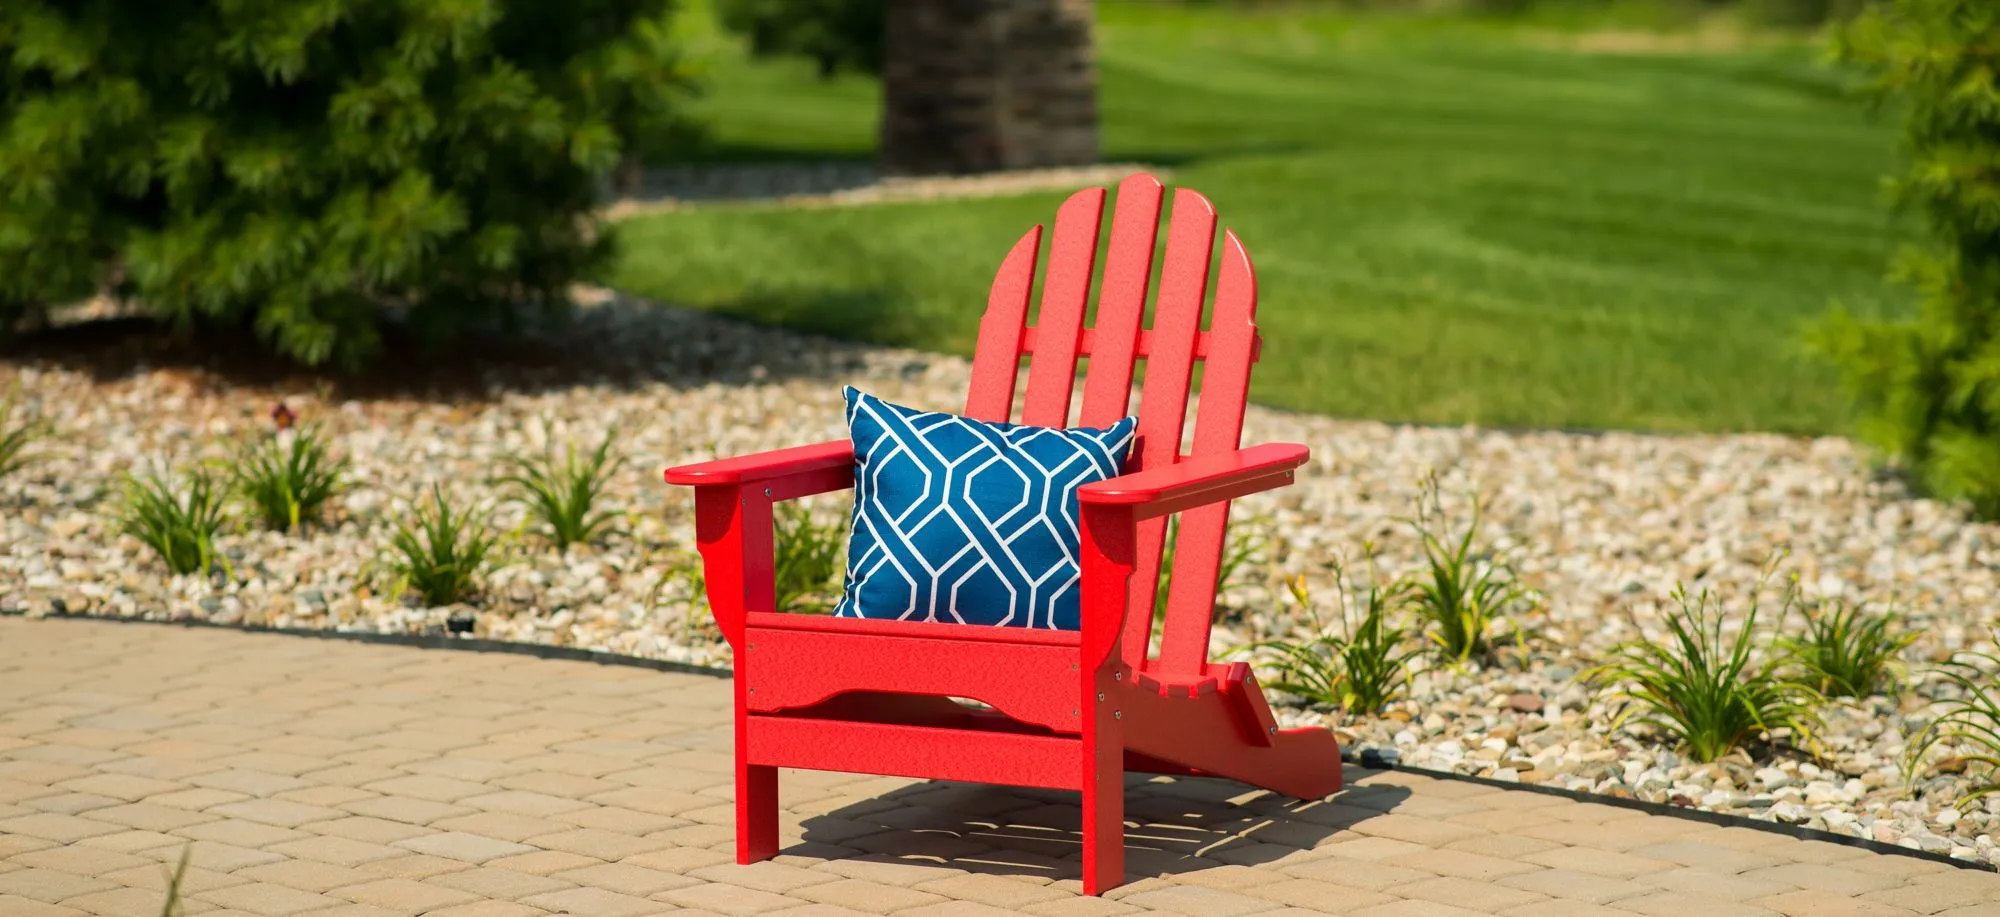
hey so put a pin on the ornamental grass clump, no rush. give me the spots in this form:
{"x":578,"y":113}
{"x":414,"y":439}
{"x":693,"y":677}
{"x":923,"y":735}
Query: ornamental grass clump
{"x":563,"y":496}
{"x":1360,"y":669}
{"x":288,"y":478}
{"x":180,"y":525}
{"x":685,"y":568}
{"x":1708,"y":691}
{"x":17,"y":436}
{"x":1464,"y":590}
{"x":1970,"y":724}
{"x":1848,"y":652}
{"x":443,"y":554}
{"x":808,"y":558}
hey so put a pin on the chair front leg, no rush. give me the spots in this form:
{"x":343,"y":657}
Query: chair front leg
{"x":733,"y":530}
{"x":1108,"y":543}
{"x":1103,"y":790}
{"x":756,"y":805}
{"x":734,"y":533}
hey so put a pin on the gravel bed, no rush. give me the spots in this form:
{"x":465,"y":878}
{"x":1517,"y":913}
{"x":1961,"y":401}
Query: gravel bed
{"x":1602,"y":527}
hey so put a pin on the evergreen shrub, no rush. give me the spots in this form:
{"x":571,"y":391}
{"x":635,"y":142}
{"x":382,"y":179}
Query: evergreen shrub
{"x":304,"y":168}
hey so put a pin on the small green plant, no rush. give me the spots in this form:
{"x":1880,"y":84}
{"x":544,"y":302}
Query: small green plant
{"x":1970,"y":722}
{"x":442,"y":556}
{"x":687,"y":569}
{"x":562,"y":495}
{"x":1846,"y":652}
{"x":808,"y":558}
{"x":287,"y":478}
{"x":1706,"y":690}
{"x":1464,"y":592}
{"x":179,"y":526}
{"x":1247,"y":542}
{"x":1359,"y":670}
{"x":16,"y":436}
{"x":693,"y":621}
{"x":173,"y":907}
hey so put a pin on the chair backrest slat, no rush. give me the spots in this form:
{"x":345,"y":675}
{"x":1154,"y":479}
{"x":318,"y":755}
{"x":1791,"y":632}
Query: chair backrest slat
{"x":1003,"y":332}
{"x":1059,"y":322}
{"x":1163,"y":408}
{"x":1225,"y":388}
{"x":1113,"y":342}
{"x":1171,"y":347}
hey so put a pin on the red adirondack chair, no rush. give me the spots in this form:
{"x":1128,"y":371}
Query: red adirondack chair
{"x":1070,"y":710}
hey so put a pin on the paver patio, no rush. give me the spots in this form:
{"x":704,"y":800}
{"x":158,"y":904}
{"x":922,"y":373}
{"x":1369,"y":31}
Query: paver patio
{"x":335,"y":779}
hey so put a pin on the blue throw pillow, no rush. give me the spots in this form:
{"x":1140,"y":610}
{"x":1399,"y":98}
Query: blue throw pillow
{"x":966,"y":521}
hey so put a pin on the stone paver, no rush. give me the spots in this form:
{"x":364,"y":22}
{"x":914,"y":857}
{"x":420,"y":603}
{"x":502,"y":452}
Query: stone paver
{"x":313,"y":777}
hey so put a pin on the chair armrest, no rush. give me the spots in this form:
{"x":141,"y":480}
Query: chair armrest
{"x":764,"y":466}
{"x":1197,"y":481}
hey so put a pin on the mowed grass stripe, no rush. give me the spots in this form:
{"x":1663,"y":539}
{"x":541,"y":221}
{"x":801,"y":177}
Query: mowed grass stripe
{"x":1450,"y":224}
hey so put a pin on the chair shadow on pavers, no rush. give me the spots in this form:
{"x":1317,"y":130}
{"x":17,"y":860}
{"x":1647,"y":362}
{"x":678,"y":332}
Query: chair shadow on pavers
{"x":1174,"y":825}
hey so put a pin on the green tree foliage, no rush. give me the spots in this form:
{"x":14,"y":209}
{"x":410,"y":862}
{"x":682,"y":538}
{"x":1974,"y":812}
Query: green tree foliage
{"x":1801,"y":12}
{"x":835,"y":34}
{"x":300,"y":167}
{"x":1929,"y":388}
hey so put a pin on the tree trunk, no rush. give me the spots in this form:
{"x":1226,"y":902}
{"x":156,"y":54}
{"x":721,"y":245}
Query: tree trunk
{"x":629,"y":178}
{"x":986,"y":85}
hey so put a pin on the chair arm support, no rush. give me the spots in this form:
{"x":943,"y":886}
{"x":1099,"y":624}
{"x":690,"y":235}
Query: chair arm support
{"x":1197,"y":481}
{"x":733,"y":527}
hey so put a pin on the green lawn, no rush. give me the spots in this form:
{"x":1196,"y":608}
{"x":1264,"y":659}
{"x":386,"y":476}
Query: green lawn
{"x":1451,"y":222}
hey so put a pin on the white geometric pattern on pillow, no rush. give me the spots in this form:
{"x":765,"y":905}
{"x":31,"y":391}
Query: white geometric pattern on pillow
{"x":966,"y":521}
